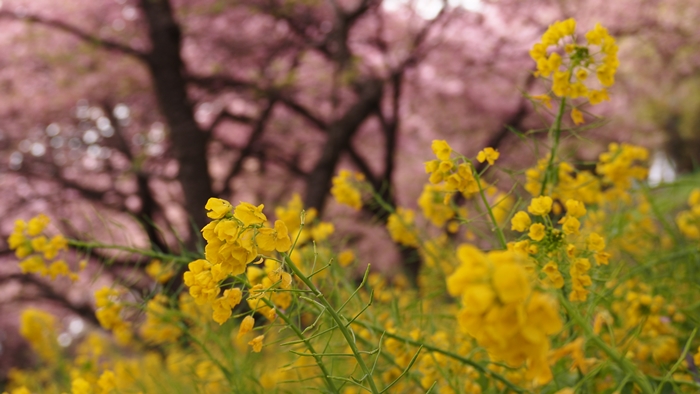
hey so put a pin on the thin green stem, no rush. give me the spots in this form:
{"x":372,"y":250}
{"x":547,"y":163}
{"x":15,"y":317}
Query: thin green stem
{"x":444,"y":352}
{"x":143,"y":252}
{"x":205,"y":349}
{"x":670,"y":372}
{"x":499,"y":231}
{"x":307,"y":343}
{"x":554,"y":131}
{"x":339,"y":321}
{"x":626,"y":366}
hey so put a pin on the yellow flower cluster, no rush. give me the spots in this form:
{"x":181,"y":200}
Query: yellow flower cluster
{"x":615,"y":173}
{"x":109,"y":314}
{"x":571,"y":184}
{"x":432,"y":204}
{"x":652,"y":318}
{"x":619,"y":166}
{"x":345,"y":189}
{"x":457,"y":178}
{"x":235,"y":237}
{"x":38,"y":328}
{"x":291,"y":215}
{"x":264,"y":282}
{"x":160,"y":272}
{"x":161,"y":323}
{"x":38,"y":251}
{"x":570,"y":68}
{"x":400,"y":226}
{"x":560,"y":246}
{"x":688,"y":221}
{"x":509,"y":318}
{"x":488,"y":154}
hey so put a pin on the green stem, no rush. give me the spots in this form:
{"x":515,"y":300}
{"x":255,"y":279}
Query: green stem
{"x":227,"y":373}
{"x":342,"y":325}
{"x":143,"y":252}
{"x":307,"y":342}
{"x":447,"y":353}
{"x":499,"y":231}
{"x":626,"y":366}
{"x":669,"y":374}
{"x":555,"y":131}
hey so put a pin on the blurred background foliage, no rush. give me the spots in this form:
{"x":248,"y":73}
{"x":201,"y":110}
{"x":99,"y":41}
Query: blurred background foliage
{"x":134,"y":112}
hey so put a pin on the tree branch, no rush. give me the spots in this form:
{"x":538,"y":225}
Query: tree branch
{"x":67,"y":28}
{"x":226,"y":115}
{"x":255,"y":135}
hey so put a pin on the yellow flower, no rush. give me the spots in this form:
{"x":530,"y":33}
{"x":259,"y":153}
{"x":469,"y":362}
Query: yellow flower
{"x":322,"y":231}
{"x":510,"y":282}
{"x":441,"y":149}
{"x":596,"y":36}
{"x":269,"y":239}
{"x":431,"y":166}
{"x":537,"y":232}
{"x":346,"y":257}
{"x":567,"y":27}
{"x":249,"y":214}
{"x":694,"y":198}
{"x":598,"y":96}
{"x":217,"y":208}
{"x":544,"y":99}
{"x":520,"y":222}
{"x":575,"y":208}
{"x":20,"y":390}
{"x":257,"y":343}
{"x":577,"y":116}
{"x":159,"y":272}
{"x":571,"y":225}
{"x":488,"y":154}
{"x":37,"y":224}
{"x":56,"y":244}
{"x":596,"y":242}
{"x":107,"y":382}
{"x":246,"y":325}
{"x":540,"y":206}
{"x":345,"y":191}
{"x":561,"y":85}
{"x":538,"y":51}
{"x":445,"y":166}
{"x":546,"y":66}
{"x":602,"y":258}
{"x":58,"y":268}
{"x":552,"y":271}
{"x":400,"y":226}
{"x":478,"y":297}
{"x":80,"y":386}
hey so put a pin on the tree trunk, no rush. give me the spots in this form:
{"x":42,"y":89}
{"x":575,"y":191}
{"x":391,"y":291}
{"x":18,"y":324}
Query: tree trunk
{"x":189,"y":141}
{"x":340,"y":131}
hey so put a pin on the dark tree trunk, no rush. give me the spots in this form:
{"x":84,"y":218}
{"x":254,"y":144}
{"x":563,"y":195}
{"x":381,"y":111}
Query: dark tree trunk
{"x":340,"y":133}
{"x":188,"y":139}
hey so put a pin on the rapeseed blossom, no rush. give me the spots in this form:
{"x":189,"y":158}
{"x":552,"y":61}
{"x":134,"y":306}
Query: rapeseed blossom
{"x":39,"y":251}
{"x":520,"y":222}
{"x":345,"y":189}
{"x":502,"y":311}
{"x":488,"y":154}
{"x":570,"y":63}
{"x":540,"y":206}
{"x":233,"y":242}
